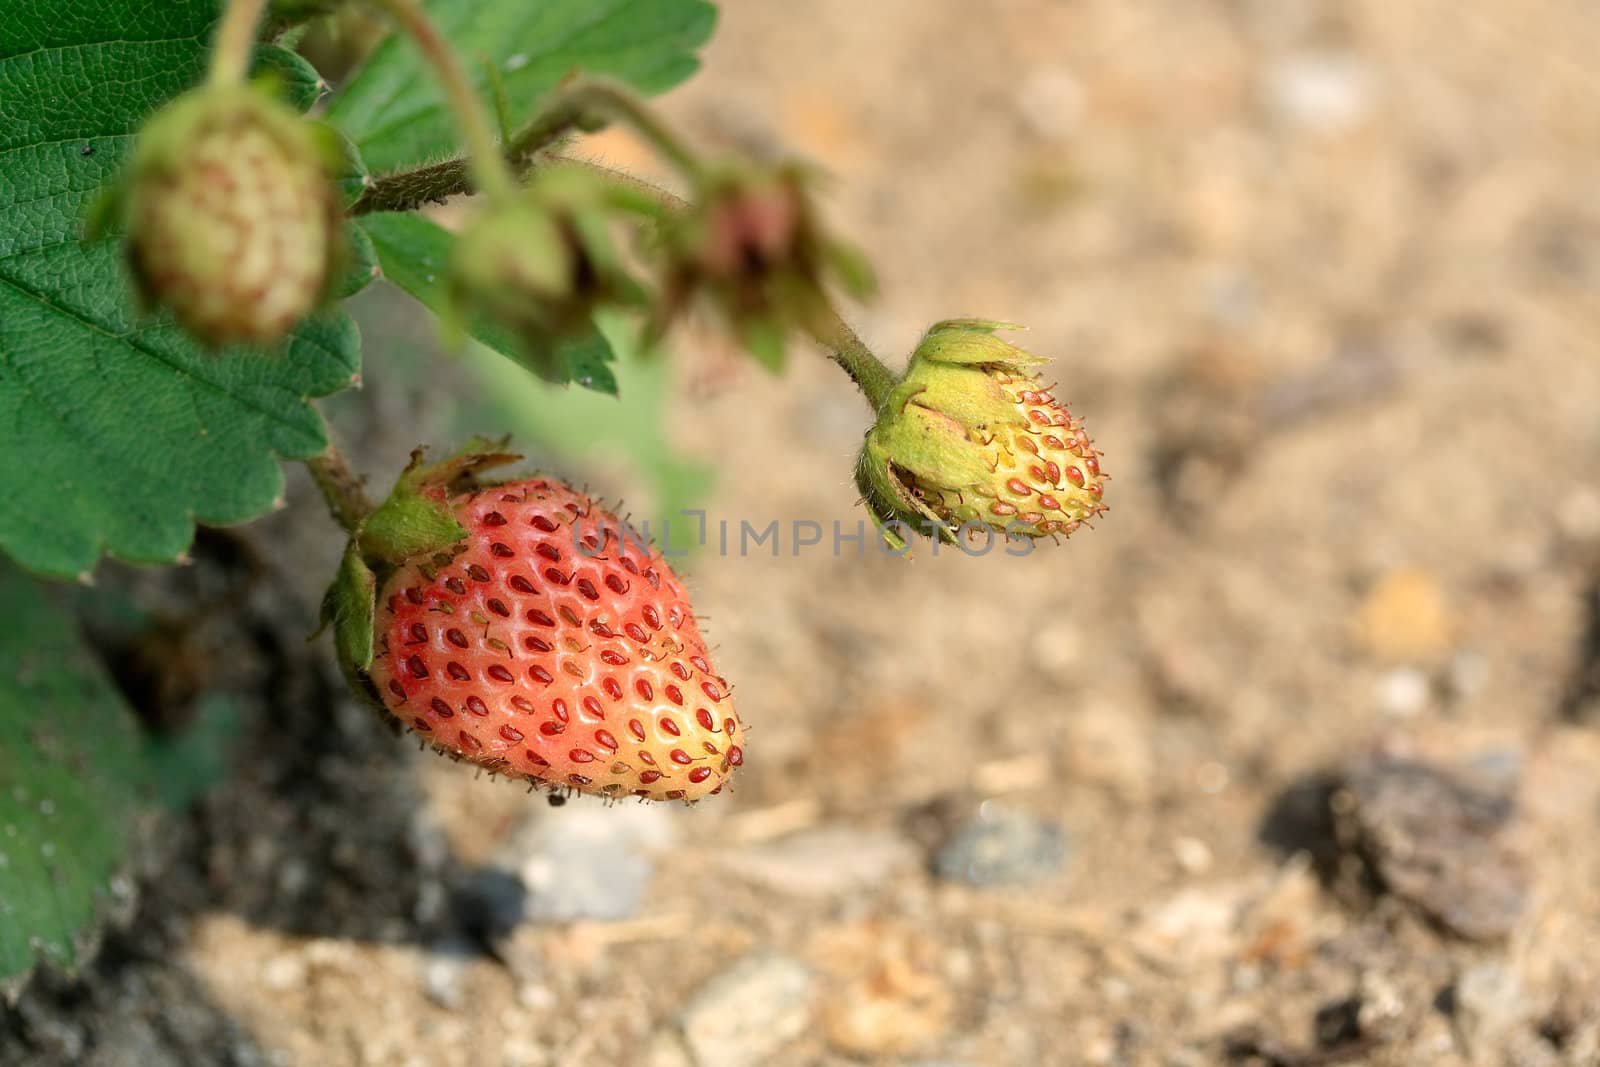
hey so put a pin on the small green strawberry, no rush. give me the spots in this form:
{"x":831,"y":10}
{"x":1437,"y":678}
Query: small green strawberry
{"x":517,"y":627}
{"x":232,"y":219}
{"x":971,"y":438}
{"x":539,"y":265}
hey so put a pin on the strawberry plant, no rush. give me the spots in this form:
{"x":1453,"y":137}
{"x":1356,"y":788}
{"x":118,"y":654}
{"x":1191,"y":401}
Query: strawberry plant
{"x":186,"y":206}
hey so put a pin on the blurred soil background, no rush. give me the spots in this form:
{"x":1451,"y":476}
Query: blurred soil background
{"x":1292,"y":761}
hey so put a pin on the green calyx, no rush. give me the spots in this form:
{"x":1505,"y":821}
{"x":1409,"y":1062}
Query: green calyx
{"x":416,"y":519}
{"x":349,"y":606}
{"x":970,"y":440}
{"x":754,"y":244}
{"x":541,"y":264}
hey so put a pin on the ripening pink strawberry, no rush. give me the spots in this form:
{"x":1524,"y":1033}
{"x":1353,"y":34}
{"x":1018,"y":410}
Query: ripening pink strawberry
{"x":547,"y":645}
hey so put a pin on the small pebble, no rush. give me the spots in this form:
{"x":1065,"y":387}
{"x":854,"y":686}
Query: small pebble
{"x":1403,"y":692}
{"x":742,"y":1017}
{"x":1404,"y":619}
{"x":284,"y":972}
{"x":1050,"y":102}
{"x":585,"y":861}
{"x":1486,"y":1001}
{"x":825,"y":861}
{"x":1320,"y":92}
{"x":896,"y":1008}
{"x":1193,"y":855}
{"x":444,"y":972}
{"x":1002,"y":847}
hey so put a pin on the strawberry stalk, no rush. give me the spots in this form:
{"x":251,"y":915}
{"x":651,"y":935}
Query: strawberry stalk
{"x":845,"y":347}
{"x":584,"y":105}
{"x":407,"y":190}
{"x":341,"y":488}
{"x":828,"y":327}
{"x":230,"y":55}
{"x":490,"y":174}
{"x":589,"y":104}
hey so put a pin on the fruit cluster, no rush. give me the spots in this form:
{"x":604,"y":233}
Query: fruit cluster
{"x":510,"y":623}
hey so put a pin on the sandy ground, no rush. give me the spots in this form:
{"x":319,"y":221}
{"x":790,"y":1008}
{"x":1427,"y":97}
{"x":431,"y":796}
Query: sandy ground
{"x":1288,"y":762}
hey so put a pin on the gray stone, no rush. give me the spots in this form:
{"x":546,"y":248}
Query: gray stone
{"x":1002,"y":847}
{"x":1438,"y":838}
{"x":747,"y":1013}
{"x":581,"y":861}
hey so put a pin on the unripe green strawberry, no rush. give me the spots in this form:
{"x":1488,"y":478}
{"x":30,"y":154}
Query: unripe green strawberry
{"x":545,"y":645}
{"x":971,"y":437}
{"x":232,"y":220}
{"x":540,"y":265}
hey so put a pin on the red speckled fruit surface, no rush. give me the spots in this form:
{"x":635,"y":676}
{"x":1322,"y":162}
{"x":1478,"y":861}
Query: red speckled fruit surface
{"x":551,"y":647}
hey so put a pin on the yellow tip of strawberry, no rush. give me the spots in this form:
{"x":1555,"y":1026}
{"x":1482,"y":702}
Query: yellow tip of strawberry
{"x":971,"y":439}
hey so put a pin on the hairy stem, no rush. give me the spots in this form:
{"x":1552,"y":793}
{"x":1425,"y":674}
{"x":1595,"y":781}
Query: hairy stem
{"x":341,"y":488}
{"x":489,"y":171}
{"x":584,"y":101}
{"x":407,"y":190}
{"x":441,"y":180}
{"x":668,"y":201}
{"x":846,"y":348}
{"x":569,"y":110}
{"x":230,"y":54}
{"x":830,"y":330}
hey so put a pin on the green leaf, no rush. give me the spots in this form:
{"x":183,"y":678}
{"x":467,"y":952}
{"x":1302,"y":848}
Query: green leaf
{"x":117,"y":432}
{"x":71,"y":773}
{"x":415,"y":255}
{"x":394,"y":112}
